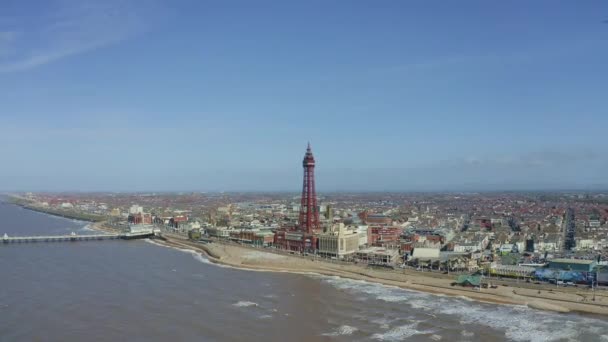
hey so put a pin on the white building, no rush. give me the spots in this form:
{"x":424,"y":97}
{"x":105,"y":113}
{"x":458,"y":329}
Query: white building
{"x":221,"y":232}
{"x":506,"y":248}
{"x":585,"y":244}
{"x":425,"y":253}
{"x":378,"y":255}
{"x":362,"y":230}
{"x":549,"y":244}
{"x":464,"y":247}
{"x":141,"y":228}
{"x":511,"y":270}
{"x":520,"y":244}
{"x":136,"y":209}
{"x":339,"y":241}
{"x":477,"y":243}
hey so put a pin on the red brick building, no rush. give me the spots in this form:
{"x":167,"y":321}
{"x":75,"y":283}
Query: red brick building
{"x":406,"y":246}
{"x":245,"y":235}
{"x":176,"y":221}
{"x":253,"y":236}
{"x":375,"y":219}
{"x":294,"y":240}
{"x":382,"y":235}
{"x":140,"y":218}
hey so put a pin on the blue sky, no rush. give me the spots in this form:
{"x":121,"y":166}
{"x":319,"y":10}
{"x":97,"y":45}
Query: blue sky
{"x":224,"y":95}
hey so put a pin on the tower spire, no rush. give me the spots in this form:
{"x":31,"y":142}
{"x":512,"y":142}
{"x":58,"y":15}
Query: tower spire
{"x":309,"y":213}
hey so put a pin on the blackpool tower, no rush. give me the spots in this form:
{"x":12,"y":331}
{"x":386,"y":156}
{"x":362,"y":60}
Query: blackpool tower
{"x":309,"y":213}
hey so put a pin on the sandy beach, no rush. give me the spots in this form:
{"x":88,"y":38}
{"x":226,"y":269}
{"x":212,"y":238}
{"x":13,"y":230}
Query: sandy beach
{"x":102,"y":226}
{"x":558,"y":299}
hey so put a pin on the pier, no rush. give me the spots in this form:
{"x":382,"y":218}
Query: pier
{"x":75,"y":237}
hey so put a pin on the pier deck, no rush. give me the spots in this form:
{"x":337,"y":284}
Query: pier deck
{"x":76,"y":237}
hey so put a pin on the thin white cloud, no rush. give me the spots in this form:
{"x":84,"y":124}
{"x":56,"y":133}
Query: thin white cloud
{"x":459,"y":60}
{"x":540,"y":52}
{"x":542,"y":158}
{"x":70,"y":28}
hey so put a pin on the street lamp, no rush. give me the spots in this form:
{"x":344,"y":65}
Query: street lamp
{"x":594,"y":283}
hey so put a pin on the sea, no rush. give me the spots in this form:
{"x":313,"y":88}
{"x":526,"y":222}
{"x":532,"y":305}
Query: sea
{"x":141,"y":291}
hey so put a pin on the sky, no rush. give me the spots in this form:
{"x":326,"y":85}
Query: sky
{"x":120,"y":95}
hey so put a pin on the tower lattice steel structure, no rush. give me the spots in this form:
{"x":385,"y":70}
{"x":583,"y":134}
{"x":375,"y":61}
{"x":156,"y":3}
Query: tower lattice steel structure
{"x":309,"y":213}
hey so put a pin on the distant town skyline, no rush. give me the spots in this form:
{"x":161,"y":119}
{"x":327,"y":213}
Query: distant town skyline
{"x":399,"y":96}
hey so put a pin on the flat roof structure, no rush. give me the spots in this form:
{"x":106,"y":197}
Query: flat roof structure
{"x":573,"y":264}
{"x":573,"y":261}
{"x":426,"y":253}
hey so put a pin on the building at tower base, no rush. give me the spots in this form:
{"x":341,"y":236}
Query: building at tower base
{"x":292,"y":239}
{"x":338,"y":242}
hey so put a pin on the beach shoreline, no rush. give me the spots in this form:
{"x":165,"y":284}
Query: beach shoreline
{"x":245,"y":258}
{"x":257,"y":259}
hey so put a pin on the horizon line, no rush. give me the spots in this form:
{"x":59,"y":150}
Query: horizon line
{"x":529,"y":190}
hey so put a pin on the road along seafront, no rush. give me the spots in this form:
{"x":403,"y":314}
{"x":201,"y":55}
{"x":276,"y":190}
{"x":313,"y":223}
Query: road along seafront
{"x":257,"y":259}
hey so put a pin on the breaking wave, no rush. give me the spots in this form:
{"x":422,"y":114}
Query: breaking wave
{"x":518,"y":323}
{"x":87,"y":228}
{"x":401,"y":332}
{"x":513,"y":322}
{"x":244,"y":304}
{"x":342,"y":331}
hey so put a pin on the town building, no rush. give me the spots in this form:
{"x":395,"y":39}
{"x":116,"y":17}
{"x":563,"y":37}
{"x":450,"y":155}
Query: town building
{"x":426,"y":253}
{"x":511,"y":270}
{"x":254,"y":236}
{"x":338,"y":242}
{"x":294,"y":240}
{"x":377,"y":255}
{"x":573,"y":264}
{"x":140,"y":218}
{"x":363,"y":239}
{"x":384,"y":236}
{"x":219,"y":232}
{"x":375,"y":219}
{"x":136,"y":209}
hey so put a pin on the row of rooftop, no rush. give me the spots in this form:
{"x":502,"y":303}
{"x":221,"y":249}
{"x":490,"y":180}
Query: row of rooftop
{"x":465,"y":222}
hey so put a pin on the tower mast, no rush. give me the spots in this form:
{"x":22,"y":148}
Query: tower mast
{"x":309,"y":213}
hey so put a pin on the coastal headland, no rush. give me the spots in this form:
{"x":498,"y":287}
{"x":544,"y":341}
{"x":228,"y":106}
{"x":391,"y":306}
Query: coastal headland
{"x":70,"y":214}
